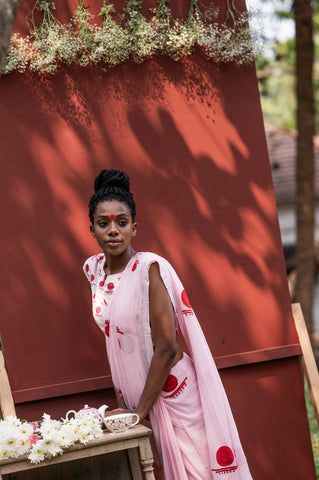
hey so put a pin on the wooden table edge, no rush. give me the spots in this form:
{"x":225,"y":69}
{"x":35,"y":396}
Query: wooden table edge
{"x":105,"y":444}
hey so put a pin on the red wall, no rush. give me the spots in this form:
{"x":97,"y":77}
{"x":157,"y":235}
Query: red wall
{"x":190,"y":135}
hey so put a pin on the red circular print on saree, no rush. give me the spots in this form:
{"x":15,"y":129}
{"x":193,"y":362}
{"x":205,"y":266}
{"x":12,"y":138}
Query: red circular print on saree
{"x":102,"y":283}
{"x":110,"y":286}
{"x":185,"y":299}
{"x":107,"y":328}
{"x":98,"y":310}
{"x":92,"y":278}
{"x":171,"y":383}
{"x":87,"y":268}
{"x":224,"y":456}
{"x":135,"y":265}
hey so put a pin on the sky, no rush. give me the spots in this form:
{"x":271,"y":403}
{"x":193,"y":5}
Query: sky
{"x":272,"y":27}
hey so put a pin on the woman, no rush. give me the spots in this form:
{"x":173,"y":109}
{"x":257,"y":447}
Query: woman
{"x":139,"y":303}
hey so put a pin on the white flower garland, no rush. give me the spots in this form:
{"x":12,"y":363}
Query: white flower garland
{"x":130,"y":36}
{"x":45,"y":439}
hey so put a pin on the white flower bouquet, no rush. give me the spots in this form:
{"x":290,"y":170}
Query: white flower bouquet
{"x":44,"y":439}
{"x":130,"y":35}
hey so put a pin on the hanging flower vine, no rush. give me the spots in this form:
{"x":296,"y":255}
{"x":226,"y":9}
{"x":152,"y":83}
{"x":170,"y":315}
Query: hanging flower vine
{"x":129,"y":35}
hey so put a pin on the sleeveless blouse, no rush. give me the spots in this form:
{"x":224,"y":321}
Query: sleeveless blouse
{"x":102,"y":286}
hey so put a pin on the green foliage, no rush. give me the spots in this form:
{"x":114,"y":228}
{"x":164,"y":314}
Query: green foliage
{"x":262,"y":62}
{"x":277,"y":74}
{"x":315,"y":22}
{"x":130,"y":35}
{"x":314,"y":430}
{"x":285,"y":52}
{"x":283,"y":14}
{"x":277,"y":84}
{"x":278,"y":100}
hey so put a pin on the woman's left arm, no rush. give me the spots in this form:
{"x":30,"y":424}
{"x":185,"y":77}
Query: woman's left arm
{"x":166,"y":350}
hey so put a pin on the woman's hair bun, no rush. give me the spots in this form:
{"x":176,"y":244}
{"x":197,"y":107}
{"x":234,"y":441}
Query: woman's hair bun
{"x":112,"y":185}
{"x":112,"y":178}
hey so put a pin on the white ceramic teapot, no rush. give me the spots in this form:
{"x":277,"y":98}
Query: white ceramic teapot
{"x":88,"y":412}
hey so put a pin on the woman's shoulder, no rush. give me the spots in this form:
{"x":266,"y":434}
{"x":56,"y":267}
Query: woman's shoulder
{"x":147,"y":258}
{"x":92,"y":264}
{"x":144,"y":260}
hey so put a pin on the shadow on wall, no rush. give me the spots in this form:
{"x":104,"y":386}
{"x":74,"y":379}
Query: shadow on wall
{"x":190,"y":136}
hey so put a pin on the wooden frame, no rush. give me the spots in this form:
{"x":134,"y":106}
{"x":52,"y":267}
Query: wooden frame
{"x":6,"y":399}
{"x":308,"y":358}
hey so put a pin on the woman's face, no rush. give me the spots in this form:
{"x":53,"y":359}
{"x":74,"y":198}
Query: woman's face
{"x":113,"y":227}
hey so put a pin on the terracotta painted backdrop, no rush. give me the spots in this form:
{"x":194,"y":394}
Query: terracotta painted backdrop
{"x":190,"y":135}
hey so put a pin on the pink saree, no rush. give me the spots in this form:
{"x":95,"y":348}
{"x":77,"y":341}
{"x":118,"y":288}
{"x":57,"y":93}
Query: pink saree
{"x":193,"y":397}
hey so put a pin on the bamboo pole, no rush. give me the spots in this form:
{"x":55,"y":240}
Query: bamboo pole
{"x":6,"y":399}
{"x":308,"y":358}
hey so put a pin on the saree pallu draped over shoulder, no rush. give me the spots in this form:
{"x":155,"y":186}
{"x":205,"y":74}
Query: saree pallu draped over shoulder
{"x":130,"y":351}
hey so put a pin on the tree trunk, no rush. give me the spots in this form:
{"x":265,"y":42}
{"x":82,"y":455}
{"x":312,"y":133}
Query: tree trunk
{"x":8,"y":10}
{"x":305,"y":199}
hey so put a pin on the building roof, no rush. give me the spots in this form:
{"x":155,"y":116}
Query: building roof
{"x":282,"y":155}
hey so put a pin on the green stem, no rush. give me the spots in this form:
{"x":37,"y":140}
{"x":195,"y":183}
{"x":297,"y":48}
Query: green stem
{"x":45,"y":7}
{"x":162,"y":4}
{"x":82,"y":15}
{"x":163,"y":11}
{"x":135,"y":5}
{"x":194,"y":8}
{"x":106,"y":11}
{"x":232,"y":12}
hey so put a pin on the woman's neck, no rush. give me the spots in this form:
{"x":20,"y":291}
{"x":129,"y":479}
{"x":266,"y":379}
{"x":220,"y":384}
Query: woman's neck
{"x":117,"y":264}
